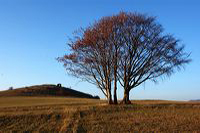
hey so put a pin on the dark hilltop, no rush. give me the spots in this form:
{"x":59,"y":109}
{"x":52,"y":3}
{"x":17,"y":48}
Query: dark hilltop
{"x":46,"y":90}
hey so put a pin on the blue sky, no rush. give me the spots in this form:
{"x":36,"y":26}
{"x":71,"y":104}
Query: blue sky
{"x":34,"y":32}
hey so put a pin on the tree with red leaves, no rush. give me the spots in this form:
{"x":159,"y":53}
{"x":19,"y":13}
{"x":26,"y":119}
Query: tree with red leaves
{"x":128,"y":48}
{"x":92,"y":56}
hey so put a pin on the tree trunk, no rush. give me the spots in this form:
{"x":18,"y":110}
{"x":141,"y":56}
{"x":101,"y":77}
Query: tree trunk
{"x":109,"y":95}
{"x":126,"y":97}
{"x":115,"y":95}
{"x":115,"y":74}
{"x":115,"y":85}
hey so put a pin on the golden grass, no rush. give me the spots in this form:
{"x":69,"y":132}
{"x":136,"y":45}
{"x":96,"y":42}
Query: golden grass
{"x":53,"y":114}
{"x":32,"y":101}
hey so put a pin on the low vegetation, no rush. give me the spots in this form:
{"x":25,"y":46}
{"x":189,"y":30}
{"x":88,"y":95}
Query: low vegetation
{"x":59,"y":114}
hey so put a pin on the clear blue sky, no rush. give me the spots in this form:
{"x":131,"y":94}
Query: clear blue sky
{"x":34,"y":32}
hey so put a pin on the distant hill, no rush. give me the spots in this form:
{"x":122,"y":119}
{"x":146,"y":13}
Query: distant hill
{"x":46,"y":90}
{"x":196,"y":100}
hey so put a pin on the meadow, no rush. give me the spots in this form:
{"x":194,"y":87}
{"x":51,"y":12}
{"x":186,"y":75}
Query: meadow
{"x":60,"y":114}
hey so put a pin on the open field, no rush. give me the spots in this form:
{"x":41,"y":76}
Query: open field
{"x":54,"y":114}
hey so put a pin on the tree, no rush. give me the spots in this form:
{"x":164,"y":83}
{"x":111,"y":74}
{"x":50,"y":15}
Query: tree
{"x":10,"y":88}
{"x":92,"y":57}
{"x":128,"y":48}
{"x":147,"y":52}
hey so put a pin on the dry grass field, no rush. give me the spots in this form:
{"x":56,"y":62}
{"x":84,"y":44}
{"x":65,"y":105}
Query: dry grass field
{"x":59,"y":114}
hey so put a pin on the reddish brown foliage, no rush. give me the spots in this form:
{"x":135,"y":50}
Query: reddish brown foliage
{"x":128,"y":48}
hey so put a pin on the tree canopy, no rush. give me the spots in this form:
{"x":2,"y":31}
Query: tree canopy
{"x":127,"y":48}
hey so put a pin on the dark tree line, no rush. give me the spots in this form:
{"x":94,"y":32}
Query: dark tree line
{"x":126,"y":49}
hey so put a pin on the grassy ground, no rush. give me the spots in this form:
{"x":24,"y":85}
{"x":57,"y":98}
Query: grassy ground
{"x":53,"y":114}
